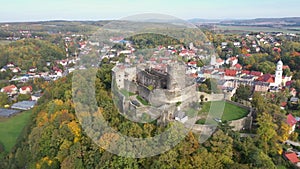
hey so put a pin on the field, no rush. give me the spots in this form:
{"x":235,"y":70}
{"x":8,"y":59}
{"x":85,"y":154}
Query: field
{"x":11,"y":128}
{"x":230,"y":111}
{"x":243,"y":29}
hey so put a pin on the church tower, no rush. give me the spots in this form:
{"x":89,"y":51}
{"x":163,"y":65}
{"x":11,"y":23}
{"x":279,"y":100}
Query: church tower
{"x":278,"y":74}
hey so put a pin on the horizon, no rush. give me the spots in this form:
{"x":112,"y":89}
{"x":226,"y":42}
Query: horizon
{"x":99,"y":20}
{"x":99,"y":10}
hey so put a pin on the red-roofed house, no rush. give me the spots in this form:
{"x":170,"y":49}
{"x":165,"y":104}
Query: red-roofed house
{"x":229,"y":72}
{"x":291,"y":121}
{"x":292,"y":157}
{"x":266,"y":78}
{"x":285,"y":67}
{"x":238,"y":67}
{"x":192,"y":63}
{"x":255,"y":73}
{"x":10,"y":90}
{"x":246,"y":72}
{"x":26,"y":90}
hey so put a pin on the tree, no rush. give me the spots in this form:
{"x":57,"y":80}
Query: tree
{"x":24,"y":97}
{"x":3,"y":99}
{"x":243,"y":92}
{"x":266,"y":130}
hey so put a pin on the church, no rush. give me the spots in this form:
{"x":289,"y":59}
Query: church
{"x":277,"y":80}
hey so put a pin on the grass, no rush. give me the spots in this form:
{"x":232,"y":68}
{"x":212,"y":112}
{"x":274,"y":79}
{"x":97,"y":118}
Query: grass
{"x":230,"y":111}
{"x":281,"y":167}
{"x":144,"y":102}
{"x":11,"y":128}
{"x":200,"y":121}
{"x":126,"y":93}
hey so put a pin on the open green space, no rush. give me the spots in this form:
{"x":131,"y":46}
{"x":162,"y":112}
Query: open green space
{"x":230,"y":111}
{"x":144,"y":102}
{"x":11,"y":128}
{"x":126,"y":93}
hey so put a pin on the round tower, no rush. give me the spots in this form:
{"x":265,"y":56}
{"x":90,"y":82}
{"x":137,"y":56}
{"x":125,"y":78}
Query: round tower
{"x":278,"y":74}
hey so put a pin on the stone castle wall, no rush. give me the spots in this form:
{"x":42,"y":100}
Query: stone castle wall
{"x":130,"y":86}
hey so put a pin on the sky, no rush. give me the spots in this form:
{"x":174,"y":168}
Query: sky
{"x":43,"y":10}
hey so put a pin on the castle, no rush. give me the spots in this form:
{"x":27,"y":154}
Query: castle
{"x":168,"y":89}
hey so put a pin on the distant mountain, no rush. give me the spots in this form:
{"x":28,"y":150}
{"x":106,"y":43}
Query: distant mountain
{"x":274,"y":22}
{"x":199,"y":20}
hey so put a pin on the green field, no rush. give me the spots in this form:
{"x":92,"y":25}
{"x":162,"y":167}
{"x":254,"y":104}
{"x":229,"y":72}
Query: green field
{"x":231,"y":111}
{"x":11,"y":128}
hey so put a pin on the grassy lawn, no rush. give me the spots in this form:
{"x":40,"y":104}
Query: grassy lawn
{"x":126,"y":93}
{"x":281,"y":167}
{"x":201,"y":121}
{"x":144,"y":102}
{"x":231,"y":112}
{"x":11,"y":128}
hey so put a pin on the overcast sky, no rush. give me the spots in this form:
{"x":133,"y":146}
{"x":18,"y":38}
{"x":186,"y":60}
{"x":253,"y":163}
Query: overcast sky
{"x":40,"y":10}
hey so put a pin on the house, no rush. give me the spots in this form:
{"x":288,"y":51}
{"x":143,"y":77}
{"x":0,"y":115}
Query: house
{"x":63,"y":62}
{"x":10,"y":65}
{"x":229,"y":72}
{"x":291,"y":121}
{"x":33,"y":69}
{"x":192,"y":64}
{"x":224,"y":44}
{"x":10,"y":90}
{"x":232,"y":61}
{"x":237,"y":44}
{"x":24,"y":105}
{"x":267,"y":78}
{"x":4,"y":69}
{"x":36,"y":96}
{"x":261,"y":86}
{"x":237,"y":67}
{"x":292,"y":157}
{"x":256,"y":73}
{"x":16,"y":70}
{"x":294,"y":100}
{"x":25,"y":90}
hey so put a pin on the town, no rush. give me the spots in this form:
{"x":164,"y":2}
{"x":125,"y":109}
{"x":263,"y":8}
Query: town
{"x":254,"y":75}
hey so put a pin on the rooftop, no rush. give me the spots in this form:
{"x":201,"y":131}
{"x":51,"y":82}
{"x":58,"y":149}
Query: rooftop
{"x":292,"y":157}
{"x":24,"y":105}
{"x":8,"y":112}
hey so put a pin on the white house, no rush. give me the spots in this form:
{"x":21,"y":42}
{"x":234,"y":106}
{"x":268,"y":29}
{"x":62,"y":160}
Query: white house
{"x":26,"y":90}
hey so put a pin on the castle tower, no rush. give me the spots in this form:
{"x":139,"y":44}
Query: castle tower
{"x":176,"y":78}
{"x":278,"y":74}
